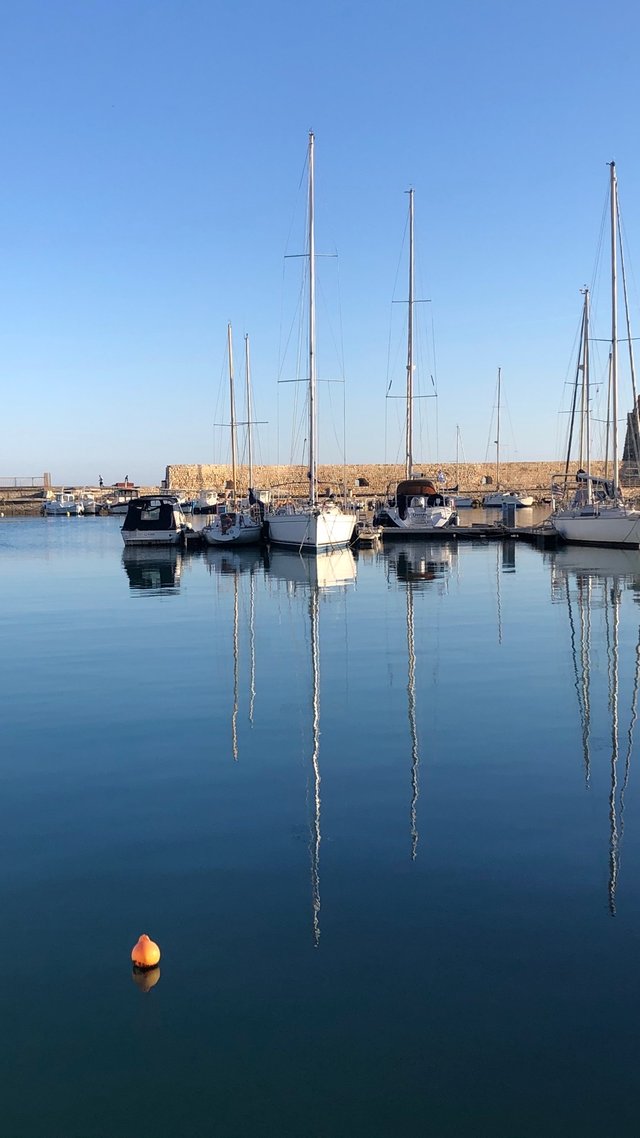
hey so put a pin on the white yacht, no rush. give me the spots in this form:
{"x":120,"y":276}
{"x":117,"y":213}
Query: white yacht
{"x":415,"y":506}
{"x":596,"y":514}
{"x":314,"y":525}
{"x":155,"y":519}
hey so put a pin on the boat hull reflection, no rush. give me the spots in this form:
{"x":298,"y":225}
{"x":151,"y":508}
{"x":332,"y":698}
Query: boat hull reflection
{"x":153,"y":569}
{"x":327,"y":570}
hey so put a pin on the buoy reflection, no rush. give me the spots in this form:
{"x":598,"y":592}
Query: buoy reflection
{"x":146,"y":980}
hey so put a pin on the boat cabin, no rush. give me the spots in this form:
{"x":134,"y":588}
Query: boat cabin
{"x":153,"y":513}
{"x":417,"y":494}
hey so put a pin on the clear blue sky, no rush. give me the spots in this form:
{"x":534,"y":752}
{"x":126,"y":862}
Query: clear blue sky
{"x":151,"y":160}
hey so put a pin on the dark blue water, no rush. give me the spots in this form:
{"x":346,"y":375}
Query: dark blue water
{"x":380,"y":813}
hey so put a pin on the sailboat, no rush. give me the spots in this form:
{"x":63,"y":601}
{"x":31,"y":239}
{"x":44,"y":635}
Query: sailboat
{"x":414,"y":506}
{"x":312,"y":526}
{"x":237,"y":526}
{"x":463,"y":501}
{"x":500,"y":497}
{"x":597,"y":514}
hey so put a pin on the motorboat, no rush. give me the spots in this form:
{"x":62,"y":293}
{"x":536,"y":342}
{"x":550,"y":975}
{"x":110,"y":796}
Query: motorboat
{"x":63,"y":505}
{"x":501,"y":498}
{"x":155,"y":519}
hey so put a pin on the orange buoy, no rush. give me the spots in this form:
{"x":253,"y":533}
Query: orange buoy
{"x":145,"y":979}
{"x":145,"y":954}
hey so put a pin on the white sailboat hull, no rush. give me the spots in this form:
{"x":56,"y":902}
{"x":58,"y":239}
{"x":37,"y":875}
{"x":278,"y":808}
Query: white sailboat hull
{"x":614,"y":525}
{"x":418,"y":521}
{"x":243,"y":531}
{"x":311,"y":529}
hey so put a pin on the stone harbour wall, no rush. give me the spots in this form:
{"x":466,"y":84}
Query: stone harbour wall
{"x":291,"y":481}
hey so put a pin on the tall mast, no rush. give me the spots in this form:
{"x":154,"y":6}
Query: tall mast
{"x":313,"y":474}
{"x":232,"y":407}
{"x":614,"y":323}
{"x":408,"y":467}
{"x":586,"y":414}
{"x":247,"y":371}
{"x":498,"y":434}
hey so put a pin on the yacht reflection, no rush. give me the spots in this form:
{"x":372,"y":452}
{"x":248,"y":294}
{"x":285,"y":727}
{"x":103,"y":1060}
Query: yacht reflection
{"x":233,"y":561}
{"x":153,"y":569}
{"x":416,"y":566}
{"x":320,"y":575}
{"x":420,"y":563}
{"x":592,"y":582}
{"x":335,"y":568}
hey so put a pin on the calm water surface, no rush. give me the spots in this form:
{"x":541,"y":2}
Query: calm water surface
{"x":381,"y":813}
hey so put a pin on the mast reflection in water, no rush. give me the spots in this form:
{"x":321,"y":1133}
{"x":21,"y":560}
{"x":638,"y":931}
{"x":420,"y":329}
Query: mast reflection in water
{"x":321,"y":574}
{"x":592,"y":581}
{"x":417,"y":565}
{"x":234,"y":564}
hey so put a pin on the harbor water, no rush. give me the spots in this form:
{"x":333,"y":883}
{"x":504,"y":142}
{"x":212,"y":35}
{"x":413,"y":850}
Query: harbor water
{"x":379,"y":810}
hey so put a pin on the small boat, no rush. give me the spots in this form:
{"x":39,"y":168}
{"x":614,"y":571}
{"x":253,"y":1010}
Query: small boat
{"x":504,"y":497}
{"x":415,"y":506}
{"x":88,"y":503}
{"x":125,"y":492}
{"x":205,"y":503}
{"x":498,"y":497}
{"x":238,"y":525}
{"x":64,"y":505}
{"x":462,"y":501}
{"x":312,"y":526}
{"x":155,"y":519}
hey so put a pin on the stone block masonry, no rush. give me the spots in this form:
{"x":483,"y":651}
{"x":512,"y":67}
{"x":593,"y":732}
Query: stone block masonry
{"x":367,"y":480}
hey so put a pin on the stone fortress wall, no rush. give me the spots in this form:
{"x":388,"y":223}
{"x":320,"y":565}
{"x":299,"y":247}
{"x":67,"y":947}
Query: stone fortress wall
{"x":366,"y":480}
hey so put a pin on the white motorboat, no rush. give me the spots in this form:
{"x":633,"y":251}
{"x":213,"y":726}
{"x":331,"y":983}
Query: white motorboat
{"x":125,"y":494}
{"x":312,"y":526}
{"x":238,"y":525}
{"x":155,"y":519}
{"x":414,"y":506}
{"x":205,"y":503}
{"x":88,"y":503}
{"x":595,"y":512}
{"x":504,"y":497}
{"x":63,"y":505}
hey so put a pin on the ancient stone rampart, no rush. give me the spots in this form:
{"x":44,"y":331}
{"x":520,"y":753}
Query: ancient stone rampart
{"x":369,"y":479}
